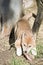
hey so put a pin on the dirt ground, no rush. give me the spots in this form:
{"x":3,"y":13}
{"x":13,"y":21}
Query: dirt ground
{"x":7,"y":55}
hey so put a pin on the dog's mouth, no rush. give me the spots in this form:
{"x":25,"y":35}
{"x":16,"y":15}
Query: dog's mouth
{"x":29,"y":57}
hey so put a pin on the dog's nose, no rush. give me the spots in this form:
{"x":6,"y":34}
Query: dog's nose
{"x":25,"y":51}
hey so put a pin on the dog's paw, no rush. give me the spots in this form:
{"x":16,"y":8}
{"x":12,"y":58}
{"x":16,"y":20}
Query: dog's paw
{"x":19,"y":51}
{"x":34,"y":51}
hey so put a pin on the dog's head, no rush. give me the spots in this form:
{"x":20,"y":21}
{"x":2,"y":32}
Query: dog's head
{"x":28,"y":43}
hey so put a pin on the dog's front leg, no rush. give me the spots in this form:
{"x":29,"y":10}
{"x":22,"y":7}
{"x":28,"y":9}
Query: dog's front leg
{"x":18,"y":47}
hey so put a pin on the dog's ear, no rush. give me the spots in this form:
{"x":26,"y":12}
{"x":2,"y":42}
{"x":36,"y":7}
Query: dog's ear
{"x":17,"y":43}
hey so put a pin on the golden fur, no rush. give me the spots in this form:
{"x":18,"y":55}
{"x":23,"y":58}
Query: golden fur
{"x":24,"y":38}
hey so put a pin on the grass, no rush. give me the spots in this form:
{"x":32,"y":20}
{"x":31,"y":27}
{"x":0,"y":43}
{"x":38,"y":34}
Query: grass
{"x":19,"y":61}
{"x":40,"y":48}
{"x":22,"y":61}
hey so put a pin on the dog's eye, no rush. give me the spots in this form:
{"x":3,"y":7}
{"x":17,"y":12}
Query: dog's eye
{"x":24,"y":45}
{"x":29,"y":46}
